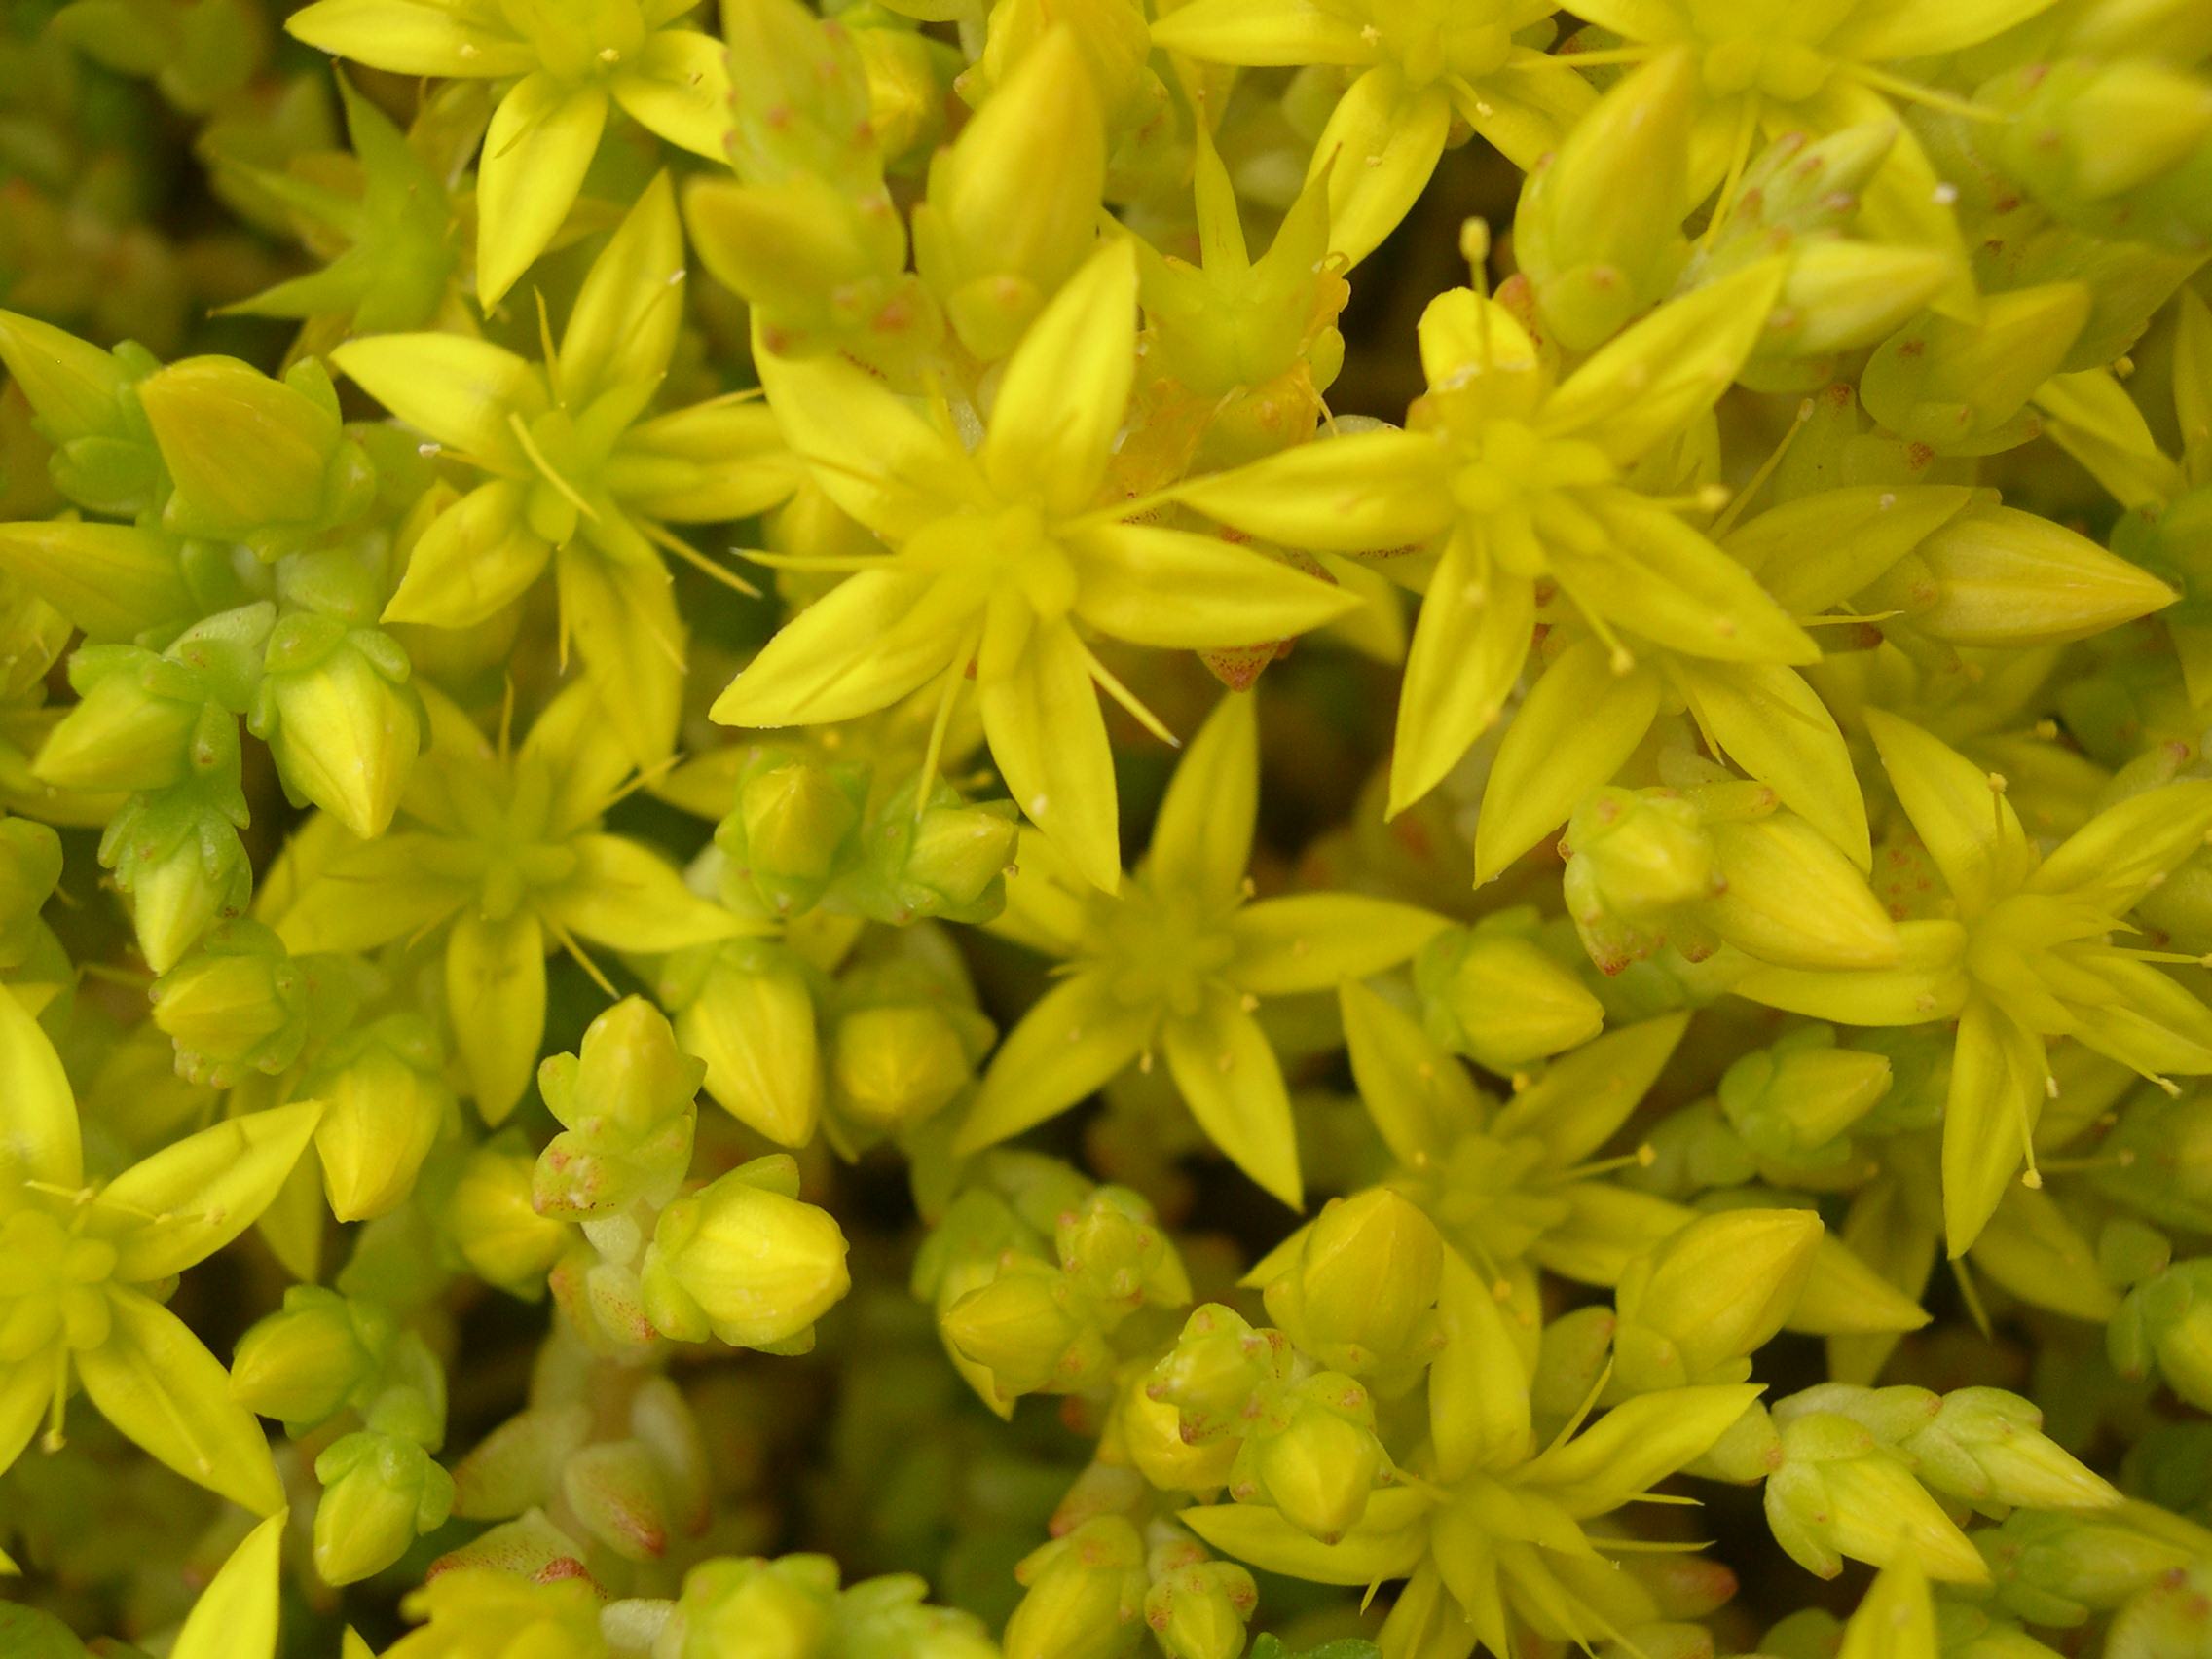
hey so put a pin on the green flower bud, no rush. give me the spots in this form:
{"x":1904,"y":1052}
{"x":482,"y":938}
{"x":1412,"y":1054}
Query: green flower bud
{"x":744,"y":1259}
{"x":1641,"y":851}
{"x":1498,"y":999}
{"x":625,"y":1101}
{"x":1360,"y":1294}
{"x":1118,"y":1257}
{"x":312,"y":1358}
{"x":1197,"y":1607}
{"x":1694,"y":1307}
{"x":1693,"y":1150}
{"x":2166,"y":1321}
{"x":791,"y":833}
{"x":182,"y":864}
{"x":338,"y":714}
{"x":1031,"y":1328}
{"x":906,"y":99}
{"x":1313,"y":1455}
{"x":1085,"y":1591}
{"x":2054,"y":1569}
{"x":246,"y":452}
{"x":2168,"y":1620}
{"x":133,"y":729}
{"x":491,"y":1221}
{"x":1985,"y":1447}
{"x":379,"y":1494}
{"x":1571,"y":1355}
{"x":1214,"y":1368}
{"x":752,"y":1020}
{"x":385,"y":1105}
{"x":1839,"y":1492}
{"x":1962,"y":389}
{"x":758,"y":1609}
{"x":893,"y":1066}
{"x":1013,"y":202}
{"x":950,"y":862}
{"x":239,"y":1005}
{"x":1795,"y":1101}
{"x":86,"y":403}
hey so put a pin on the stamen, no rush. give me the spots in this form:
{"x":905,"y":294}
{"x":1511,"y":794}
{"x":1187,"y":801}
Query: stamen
{"x":544,"y":466}
{"x":1726,"y":522}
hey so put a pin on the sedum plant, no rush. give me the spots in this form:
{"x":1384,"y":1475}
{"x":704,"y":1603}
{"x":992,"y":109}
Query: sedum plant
{"x":1035,"y":828}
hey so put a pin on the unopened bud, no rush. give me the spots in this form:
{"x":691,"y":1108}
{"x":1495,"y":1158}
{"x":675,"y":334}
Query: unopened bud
{"x":1645,"y":851}
{"x":1841,"y":1493}
{"x":745,"y":1260}
{"x":385,"y":1105}
{"x":1498,"y":999}
{"x":1960,"y":387}
{"x":896,"y":1064}
{"x":1013,"y":202}
{"x":762,"y":1609}
{"x":2166,"y":1321}
{"x":1794,"y":900}
{"x":311,"y":1358}
{"x":2055,"y":1568}
{"x":339,"y":716}
{"x":239,"y":1005}
{"x":1214,"y":1367}
{"x":1695,"y":1307}
{"x":624,"y":1101}
{"x":752,"y":1023}
{"x":490,"y":1218}
{"x":1197,"y":1607}
{"x":1318,"y":1461}
{"x":246,"y":452}
{"x":1085,"y":1591}
{"x":380,"y":1492}
{"x":1793,"y":1101}
{"x":1985,"y":1446}
{"x":132,"y":728}
{"x":791,"y":831}
{"x":1359,"y":1295}
{"x":1031,"y":1328}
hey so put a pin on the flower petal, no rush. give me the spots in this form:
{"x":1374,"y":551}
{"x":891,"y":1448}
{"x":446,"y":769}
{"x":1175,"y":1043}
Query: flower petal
{"x":39,"y":1137}
{"x":1049,"y":742}
{"x":197,"y":1194}
{"x":408,"y":37}
{"x":1655,"y":574}
{"x":1637,"y":1443}
{"x":1586,"y":1093}
{"x":459,"y":390}
{"x":1469,"y":644}
{"x":472,"y":561}
{"x":1073,"y":1041}
{"x":1420,"y":1098}
{"x":235,"y":1615}
{"x":1576,"y":728}
{"x":827,"y":664}
{"x":155,"y":1380}
{"x":1997,"y":1089}
{"x":680,"y":88}
{"x":2118,"y":856}
{"x":1388,"y":1542}
{"x":1653,"y":380}
{"x":1478,"y":1390}
{"x":1201,"y":836}
{"x":1066,"y":389}
{"x":1966,"y":823}
{"x":371,"y":893}
{"x":1380,"y":146}
{"x":495,"y":990}
{"x":1774,"y":726}
{"x":1310,"y":941}
{"x":1366,"y":492}
{"x":630,"y":304}
{"x":1261,"y":33}
{"x":1182,"y":592}
{"x":622,"y":618}
{"x":627,"y":898}
{"x":1231,"y":1080}
{"x":540,"y":143}
{"x":870,"y":453}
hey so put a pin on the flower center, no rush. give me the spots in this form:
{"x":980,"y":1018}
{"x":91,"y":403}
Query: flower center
{"x":51,"y":1286}
{"x":1164,"y":949}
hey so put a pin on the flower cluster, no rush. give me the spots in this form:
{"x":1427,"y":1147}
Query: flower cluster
{"x":1448,"y":757}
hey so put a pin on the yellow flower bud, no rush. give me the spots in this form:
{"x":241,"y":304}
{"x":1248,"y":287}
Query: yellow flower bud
{"x":1085,"y":1591}
{"x":246,"y":452}
{"x":752,"y":1023}
{"x":1359,"y":1295}
{"x":490,"y":1218}
{"x":381,"y":1116}
{"x":744,"y":1259}
{"x":1695,"y":1306}
{"x":1498,"y":999}
{"x":898,"y":1064}
{"x":1320,"y":1465}
{"x":305,"y":1363}
{"x":380,"y":1492}
{"x":762,"y":1609}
